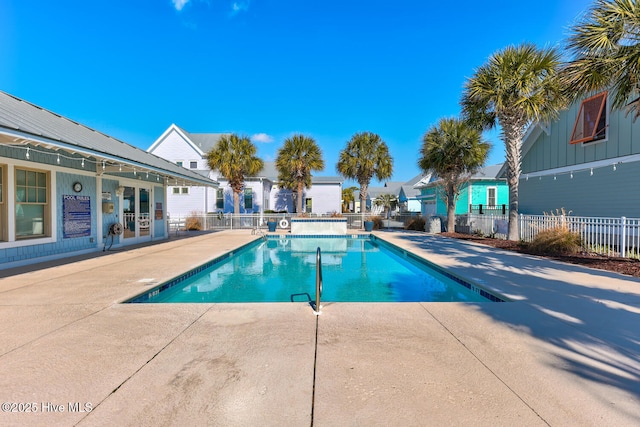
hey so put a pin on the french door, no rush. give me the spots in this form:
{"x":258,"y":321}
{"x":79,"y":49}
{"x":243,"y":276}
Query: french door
{"x":136,"y":214}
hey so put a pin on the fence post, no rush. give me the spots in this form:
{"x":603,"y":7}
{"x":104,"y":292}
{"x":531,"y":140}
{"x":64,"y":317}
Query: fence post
{"x":623,"y":237}
{"x":520,"y":227}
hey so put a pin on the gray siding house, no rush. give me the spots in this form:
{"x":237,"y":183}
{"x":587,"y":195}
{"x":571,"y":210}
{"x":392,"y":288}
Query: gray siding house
{"x":586,"y":162}
{"x":66,"y":189}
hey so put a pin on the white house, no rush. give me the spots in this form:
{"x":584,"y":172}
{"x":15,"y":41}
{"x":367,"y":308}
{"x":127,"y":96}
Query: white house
{"x":261,"y":192}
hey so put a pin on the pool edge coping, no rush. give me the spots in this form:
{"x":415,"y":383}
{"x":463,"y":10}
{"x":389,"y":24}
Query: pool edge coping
{"x":144,"y":296}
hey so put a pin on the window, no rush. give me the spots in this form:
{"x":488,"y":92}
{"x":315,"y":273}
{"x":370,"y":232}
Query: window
{"x":179,"y":163}
{"x":591,"y":122}
{"x":193,"y":165}
{"x":491,"y":196}
{"x":32,"y":215}
{"x":180,"y":190}
{"x":220,"y":199}
{"x":248,"y":198}
{"x":308,"y":204}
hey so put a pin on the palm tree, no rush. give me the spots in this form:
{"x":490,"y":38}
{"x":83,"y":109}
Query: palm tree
{"x":517,"y":86}
{"x":388,"y":202}
{"x":347,"y":198}
{"x":235,"y":157}
{"x":606,"y":48}
{"x":453,"y":150}
{"x":365,"y":156}
{"x":298,"y":157}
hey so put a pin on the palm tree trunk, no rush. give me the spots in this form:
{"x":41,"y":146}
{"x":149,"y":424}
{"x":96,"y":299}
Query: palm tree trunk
{"x":299,"y":204}
{"x":513,"y":132}
{"x":451,"y":209}
{"x":363,"y":202}
{"x":236,"y":203}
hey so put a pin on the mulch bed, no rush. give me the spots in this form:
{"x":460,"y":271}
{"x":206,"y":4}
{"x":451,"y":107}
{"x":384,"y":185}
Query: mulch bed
{"x":626,"y":266}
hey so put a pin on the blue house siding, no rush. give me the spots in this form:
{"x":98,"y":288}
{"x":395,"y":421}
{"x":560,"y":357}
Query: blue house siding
{"x":478,"y":191}
{"x":606,"y":193}
{"x":554,"y":150}
{"x":557,"y":174}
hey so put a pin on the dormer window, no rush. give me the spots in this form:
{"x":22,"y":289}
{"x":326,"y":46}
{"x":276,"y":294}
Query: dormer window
{"x":591,"y":122}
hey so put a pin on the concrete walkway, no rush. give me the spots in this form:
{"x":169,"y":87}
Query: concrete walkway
{"x":565,"y":352}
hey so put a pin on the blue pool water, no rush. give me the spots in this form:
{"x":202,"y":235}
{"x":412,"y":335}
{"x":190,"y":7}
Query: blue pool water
{"x":283,"y":270}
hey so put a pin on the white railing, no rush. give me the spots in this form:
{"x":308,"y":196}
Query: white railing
{"x":604,"y":236}
{"x":214,"y":221}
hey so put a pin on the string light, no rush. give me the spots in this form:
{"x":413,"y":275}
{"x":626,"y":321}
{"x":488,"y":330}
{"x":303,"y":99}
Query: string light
{"x":83,"y":160}
{"x":614,"y":166}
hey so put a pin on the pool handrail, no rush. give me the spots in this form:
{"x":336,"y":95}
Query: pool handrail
{"x":318,"y":308}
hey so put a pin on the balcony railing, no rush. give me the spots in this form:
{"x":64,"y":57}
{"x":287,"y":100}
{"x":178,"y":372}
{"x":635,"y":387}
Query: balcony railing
{"x":489,"y":209}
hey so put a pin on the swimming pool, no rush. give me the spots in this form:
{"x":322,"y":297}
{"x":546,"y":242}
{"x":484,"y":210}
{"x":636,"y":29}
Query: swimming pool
{"x":355,"y":269}
{"x":282,"y":269}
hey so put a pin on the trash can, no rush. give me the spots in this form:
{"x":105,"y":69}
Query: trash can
{"x":433,"y":225}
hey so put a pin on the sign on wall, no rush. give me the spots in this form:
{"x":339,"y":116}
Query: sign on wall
{"x":76,"y":216}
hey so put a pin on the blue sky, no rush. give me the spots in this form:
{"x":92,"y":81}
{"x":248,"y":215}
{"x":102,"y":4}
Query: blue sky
{"x":266,"y":68}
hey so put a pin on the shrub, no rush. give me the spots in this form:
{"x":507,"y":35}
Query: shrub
{"x":378,"y":222}
{"x":555,"y":241}
{"x":193,"y":222}
{"x":416,"y":223}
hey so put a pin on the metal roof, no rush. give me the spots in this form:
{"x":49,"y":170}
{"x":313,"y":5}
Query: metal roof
{"x":24,"y":123}
{"x":270,"y":172}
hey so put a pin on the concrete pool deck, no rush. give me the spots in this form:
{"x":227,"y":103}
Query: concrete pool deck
{"x":566,"y":351}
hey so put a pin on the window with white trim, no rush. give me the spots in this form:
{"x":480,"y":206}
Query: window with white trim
{"x":492,"y":196}
{"x":180,"y":190}
{"x":193,"y":164}
{"x":248,"y":198}
{"x":591,"y":122}
{"x":220,"y":199}
{"x":32,"y":203}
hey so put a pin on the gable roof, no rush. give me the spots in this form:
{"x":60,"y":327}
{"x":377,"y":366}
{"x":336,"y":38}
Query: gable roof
{"x":491,"y":172}
{"x":201,"y":142}
{"x":25,"y":124}
{"x":408,"y":189}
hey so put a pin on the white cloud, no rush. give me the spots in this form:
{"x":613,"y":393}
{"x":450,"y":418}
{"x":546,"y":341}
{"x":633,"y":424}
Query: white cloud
{"x":239,"y":6}
{"x":262,"y":137}
{"x":179,"y":4}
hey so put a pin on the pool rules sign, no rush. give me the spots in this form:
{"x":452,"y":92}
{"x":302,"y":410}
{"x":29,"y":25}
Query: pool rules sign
{"x":76,"y":216}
